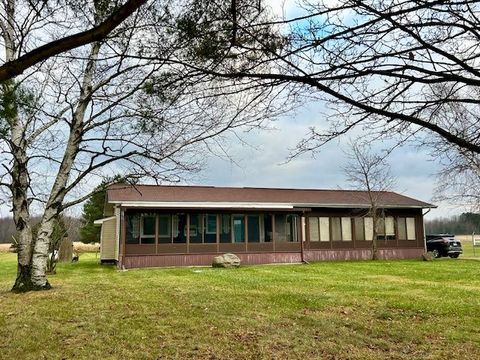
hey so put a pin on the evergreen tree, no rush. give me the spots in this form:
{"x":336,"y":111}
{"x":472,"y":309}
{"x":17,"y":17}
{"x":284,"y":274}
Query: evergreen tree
{"x":92,"y":210}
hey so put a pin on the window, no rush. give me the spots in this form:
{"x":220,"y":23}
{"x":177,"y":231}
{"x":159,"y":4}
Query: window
{"x":196,"y":231}
{"x":368,"y":228}
{"x":314,"y":229}
{"x":210,"y":227}
{"x":225,"y":225}
{"x":336,"y":229}
{"x":389,"y":228}
{"x":164,"y":229}
{"x":411,"y":228}
{"x":133,"y":229}
{"x":179,"y":228}
{"x":147,"y":229}
{"x":324,"y":223}
{"x":346,"y":229}
{"x":385,"y":228}
{"x":319,"y":228}
{"x":238,"y":228}
{"x":267,"y":228}
{"x":380,"y":228}
{"x":253,"y":226}
{"x":280,"y":230}
{"x":359,"y":229}
{"x":402,"y":228}
{"x":292,"y":228}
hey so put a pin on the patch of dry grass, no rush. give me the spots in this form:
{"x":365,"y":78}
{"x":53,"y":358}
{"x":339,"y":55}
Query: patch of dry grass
{"x":4,"y":248}
{"x":82,"y":248}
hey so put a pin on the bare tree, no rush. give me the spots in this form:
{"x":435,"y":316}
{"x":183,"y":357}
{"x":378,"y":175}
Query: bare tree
{"x":48,"y":11}
{"x":388,"y":66}
{"x":369,"y":172}
{"x":120,"y":106}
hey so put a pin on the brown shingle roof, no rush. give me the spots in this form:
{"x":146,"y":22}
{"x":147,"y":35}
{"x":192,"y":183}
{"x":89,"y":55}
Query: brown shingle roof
{"x":120,"y":193}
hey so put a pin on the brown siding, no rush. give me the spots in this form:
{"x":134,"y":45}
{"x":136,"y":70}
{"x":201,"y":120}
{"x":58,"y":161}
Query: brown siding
{"x":230,"y":247}
{"x":287,"y":246}
{"x":268,"y":258}
{"x":362,"y":254}
{"x":315,"y":245}
{"x":202,"y":248}
{"x":172,"y":248}
{"x":260,"y":247}
{"x":206,"y":259}
{"x":140,"y":249}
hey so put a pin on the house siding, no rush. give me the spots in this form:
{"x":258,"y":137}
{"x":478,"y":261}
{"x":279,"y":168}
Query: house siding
{"x":108,"y":242}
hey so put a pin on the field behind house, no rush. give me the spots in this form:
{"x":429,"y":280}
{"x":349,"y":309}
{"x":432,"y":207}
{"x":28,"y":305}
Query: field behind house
{"x":331,"y":310}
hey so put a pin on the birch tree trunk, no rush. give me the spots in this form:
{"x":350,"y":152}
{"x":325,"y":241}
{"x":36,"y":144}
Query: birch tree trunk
{"x":19,"y":170}
{"x":58,"y":192}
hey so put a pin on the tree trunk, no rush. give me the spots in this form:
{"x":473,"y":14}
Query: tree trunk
{"x":374,"y":248}
{"x":375,"y":232}
{"x":40,"y":251}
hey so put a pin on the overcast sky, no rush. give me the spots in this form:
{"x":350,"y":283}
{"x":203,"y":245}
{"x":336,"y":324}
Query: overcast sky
{"x":261,"y":163}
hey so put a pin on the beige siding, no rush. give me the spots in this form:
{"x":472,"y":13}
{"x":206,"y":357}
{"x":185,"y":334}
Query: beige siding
{"x":108,"y":240}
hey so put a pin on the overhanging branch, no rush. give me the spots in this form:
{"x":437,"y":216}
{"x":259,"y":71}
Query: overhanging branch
{"x":16,"y":67}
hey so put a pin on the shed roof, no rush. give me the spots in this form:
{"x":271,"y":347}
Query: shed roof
{"x":187,"y":196}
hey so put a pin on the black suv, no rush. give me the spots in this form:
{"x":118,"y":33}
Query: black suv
{"x":444,"y":245}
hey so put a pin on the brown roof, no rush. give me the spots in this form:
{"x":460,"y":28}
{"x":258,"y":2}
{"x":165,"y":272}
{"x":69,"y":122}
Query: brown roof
{"x":120,"y":193}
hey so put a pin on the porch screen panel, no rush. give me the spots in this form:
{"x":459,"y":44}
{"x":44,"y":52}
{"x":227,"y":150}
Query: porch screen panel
{"x":225,"y":228}
{"x":267,"y":227}
{"x":402,"y":228}
{"x":359,"y":229}
{"x":280,"y":227}
{"x":380,"y":228}
{"x":196,"y":230}
{"x":346,"y":229}
{"x":210,"y":228}
{"x":133,"y":229}
{"x":164,"y":226}
{"x":313,"y":229}
{"x":292,"y":228}
{"x":324,"y":223}
{"x":239,"y":228}
{"x":179,"y":228}
{"x":147,"y":229}
{"x":411,"y":228}
{"x":336,"y":229}
{"x":253,"y":226}
{"x":389,"y":228}
{"x":368,"y":228}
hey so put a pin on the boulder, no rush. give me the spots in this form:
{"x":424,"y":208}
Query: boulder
{"x":428,"y":256}
{"x":226,"y":261}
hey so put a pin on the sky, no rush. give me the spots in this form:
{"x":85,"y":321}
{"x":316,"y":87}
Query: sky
{"x":260,"y":161}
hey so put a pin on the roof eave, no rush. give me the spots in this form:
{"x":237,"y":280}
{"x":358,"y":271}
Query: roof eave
{"x":255,"y":205}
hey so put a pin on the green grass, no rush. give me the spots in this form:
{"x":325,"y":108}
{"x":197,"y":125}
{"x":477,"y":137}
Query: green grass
{"x":330,"y":310}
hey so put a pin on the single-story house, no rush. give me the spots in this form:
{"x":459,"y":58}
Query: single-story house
{"x":151,"y":225}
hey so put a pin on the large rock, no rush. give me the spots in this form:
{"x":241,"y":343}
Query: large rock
{"x":226,"y":261}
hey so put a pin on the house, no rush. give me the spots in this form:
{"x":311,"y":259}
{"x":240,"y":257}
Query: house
{"x":150,"y":225}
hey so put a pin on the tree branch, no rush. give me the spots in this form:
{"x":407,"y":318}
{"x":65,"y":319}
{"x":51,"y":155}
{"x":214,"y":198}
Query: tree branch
{"x":16,"y":67}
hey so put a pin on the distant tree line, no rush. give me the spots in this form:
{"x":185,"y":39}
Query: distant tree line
{"x":465,"y":223}
{"x":79,"y":229}
{"x":7,"y":228}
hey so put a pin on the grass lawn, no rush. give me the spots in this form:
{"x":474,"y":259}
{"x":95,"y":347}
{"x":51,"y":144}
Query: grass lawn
{"x":329,"y":310}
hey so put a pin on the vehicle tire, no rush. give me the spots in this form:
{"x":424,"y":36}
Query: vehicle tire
{"x":454,"y":256}
{"x":436,"y":253}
